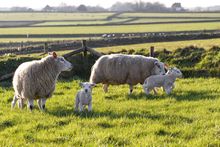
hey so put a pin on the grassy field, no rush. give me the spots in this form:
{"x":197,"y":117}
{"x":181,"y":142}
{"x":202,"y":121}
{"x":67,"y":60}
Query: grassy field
{"x":51,"y":16}
{"x":112,"y":29}
{"x":190,"y":116}
{"x":210,"y":15}
{"x":207,"y":44}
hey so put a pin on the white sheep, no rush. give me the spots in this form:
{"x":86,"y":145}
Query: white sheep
{"x":36,"y":80}
{"x":124,"y":69}
{"x":166,"y":81}
{"x":84,"y":97}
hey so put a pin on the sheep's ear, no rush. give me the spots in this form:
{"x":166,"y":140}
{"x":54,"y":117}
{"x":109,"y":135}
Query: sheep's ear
{"x":54,"y":54}
{"x":166,"y":66}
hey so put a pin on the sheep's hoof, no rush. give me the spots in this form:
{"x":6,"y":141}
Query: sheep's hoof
{"x":31,"y":107}
{"x":43,"y":107}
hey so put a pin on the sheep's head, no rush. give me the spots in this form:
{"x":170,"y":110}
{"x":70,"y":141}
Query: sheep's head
{"x":159,"y":68}
{"x":62,"y":64}
{"x":87,"y":87}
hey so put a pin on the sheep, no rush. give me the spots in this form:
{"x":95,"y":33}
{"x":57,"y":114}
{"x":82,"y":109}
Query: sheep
{"x":84,"y":97}
{"x":36,"y":80}
{"x":124,"y":69}
{"x":165,"y":81}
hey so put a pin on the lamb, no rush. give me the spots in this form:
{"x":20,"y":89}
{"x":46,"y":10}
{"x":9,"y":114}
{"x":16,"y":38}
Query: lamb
{"x":124,"y":69}
{"x":165,"y":81}
{"x":36,"y":80}
{"x":84,"y":97}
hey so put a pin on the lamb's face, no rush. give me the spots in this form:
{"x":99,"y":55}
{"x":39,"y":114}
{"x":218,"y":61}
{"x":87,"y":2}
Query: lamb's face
{"x":176,"y":72}
{"x":159,"y":68}
{"x":63,"y":64}
{"x":87,"y":87}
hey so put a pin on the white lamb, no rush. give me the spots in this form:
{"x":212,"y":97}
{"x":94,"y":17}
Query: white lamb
{"x":84,"y":97}
{"x":166,"y":81}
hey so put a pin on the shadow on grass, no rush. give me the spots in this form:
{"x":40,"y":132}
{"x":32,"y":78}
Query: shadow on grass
{"x":62,"y":112}
{"x":178,"y":95}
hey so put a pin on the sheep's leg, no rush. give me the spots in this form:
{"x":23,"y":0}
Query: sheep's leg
{"x":43,"y":103}
{"x":80,"y":107}
{"x":21,"y":103}
{"x":15,"y":99}
{"x":39,"y":104}
{"x":131,"y":89}
{"x":105,"y":88}
{"x":168,"y":90}
{"x":90,"y":107}
{"x":31,"y":104}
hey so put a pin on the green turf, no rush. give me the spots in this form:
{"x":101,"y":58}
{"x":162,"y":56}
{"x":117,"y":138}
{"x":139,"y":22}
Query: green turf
{"x":112,"y":29}
{"x":190,"y":116}
{"x":52,"y":16}
{"x":170,"y":15}
{"x":207,"y":44}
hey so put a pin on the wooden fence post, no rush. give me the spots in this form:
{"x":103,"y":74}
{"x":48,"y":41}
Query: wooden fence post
{"x":45,"y":47}
{"x":84,"y":46}
{"x":152,"y":51}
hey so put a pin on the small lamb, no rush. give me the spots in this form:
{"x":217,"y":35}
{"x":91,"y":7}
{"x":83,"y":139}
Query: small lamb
{"x":166,"y":81}
{"x":84,"y":97}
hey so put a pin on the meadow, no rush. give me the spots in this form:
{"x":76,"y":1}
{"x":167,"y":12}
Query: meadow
{"x":190,"y":116}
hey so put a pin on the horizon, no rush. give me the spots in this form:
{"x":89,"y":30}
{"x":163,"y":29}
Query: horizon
{"x":106,"y":4}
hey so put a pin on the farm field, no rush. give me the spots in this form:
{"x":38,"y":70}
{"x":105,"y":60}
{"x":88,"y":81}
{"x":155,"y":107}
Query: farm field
{"x":188,"y":117}
{"x":206,"y":43}
{"x":112,"y":29}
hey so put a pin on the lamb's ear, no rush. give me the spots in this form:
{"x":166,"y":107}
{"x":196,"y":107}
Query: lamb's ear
{"x":81,"y":84}
{"x":54,"y":54}
{"x":93,"y":84}
{"x":166,"y":66}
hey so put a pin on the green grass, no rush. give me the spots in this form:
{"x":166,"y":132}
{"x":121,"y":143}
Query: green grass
{"x":112,"y":29}
{"x":52,"y":16}
{"x":170,"y":15}
{"x":190,"y":116}
{"x":207,"y":44}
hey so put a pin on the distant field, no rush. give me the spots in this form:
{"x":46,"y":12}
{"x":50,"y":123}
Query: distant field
{"x":51,"y":16}
{"x":170,"y":15}
{"x":207,"y":44}
{"x":112,"y":29}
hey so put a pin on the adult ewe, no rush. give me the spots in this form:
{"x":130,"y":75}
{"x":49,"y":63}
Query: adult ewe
{"x":124,"y":69}
{"x":37,"y":79}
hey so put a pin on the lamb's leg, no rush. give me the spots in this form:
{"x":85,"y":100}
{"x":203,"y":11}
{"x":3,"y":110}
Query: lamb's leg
{"x":147,"y":90}
{"x":39,"y":104}
{"x":30,"y":104}
{"x":131,"y":89}
{"x":80,"y":107}
{"x":105,"y":88}
{"x":43,"y":103}
{"x":76,"y":104}
{"x":155,"y":91}
{"x":90,"y":107}
{"x":14,"y":102}
{"x":168,"y":90}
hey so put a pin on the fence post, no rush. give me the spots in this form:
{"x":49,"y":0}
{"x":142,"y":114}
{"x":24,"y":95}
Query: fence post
{"x":152,"y":51}
{"x":45,"y":47}
{"x":84,"y":46}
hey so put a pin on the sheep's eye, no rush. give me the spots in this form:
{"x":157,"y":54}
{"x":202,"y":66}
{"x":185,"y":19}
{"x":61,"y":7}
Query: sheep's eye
{"x":62,"y":59}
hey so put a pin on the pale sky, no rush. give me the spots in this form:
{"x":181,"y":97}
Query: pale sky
{"x":103,"y":3}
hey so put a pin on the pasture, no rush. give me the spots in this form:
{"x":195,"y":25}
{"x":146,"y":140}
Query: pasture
{"x":190,"y":116}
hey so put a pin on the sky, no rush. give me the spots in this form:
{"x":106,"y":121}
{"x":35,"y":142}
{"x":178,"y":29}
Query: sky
{"x":37,"y":4}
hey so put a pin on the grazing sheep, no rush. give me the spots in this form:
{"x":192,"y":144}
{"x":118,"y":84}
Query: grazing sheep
{"x":165,"y":81}
{"x":84,"y":97}
{"x":36,"y":80}
{"x":124,"y":69}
